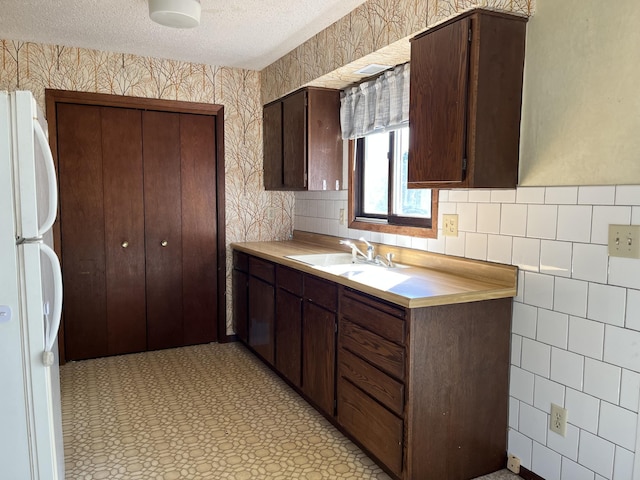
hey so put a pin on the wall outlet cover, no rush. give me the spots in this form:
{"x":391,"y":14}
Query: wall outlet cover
{"x":450,"y":225}
{"x":513,"y":464}
{"x":558,"y":420}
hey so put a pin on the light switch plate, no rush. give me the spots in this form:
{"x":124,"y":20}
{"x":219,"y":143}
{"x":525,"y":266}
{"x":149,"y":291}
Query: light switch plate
{"x":450,"y":225}
{"x":624,"y":241}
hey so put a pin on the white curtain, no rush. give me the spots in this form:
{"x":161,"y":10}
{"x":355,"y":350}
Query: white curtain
{"x":376,"y":105}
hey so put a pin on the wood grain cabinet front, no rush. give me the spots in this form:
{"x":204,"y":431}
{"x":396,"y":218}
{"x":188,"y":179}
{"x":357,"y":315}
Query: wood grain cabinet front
{"x":303,"y":141}
{"x":465,"y":102}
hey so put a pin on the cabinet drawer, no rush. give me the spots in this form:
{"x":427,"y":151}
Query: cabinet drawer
{"x":373,"y":348}
{"x":290,"y":280}
{"x":379,"y":317}
{"x":262,"y":269}
{"x":321,"y":292}
{"x":240,"y":261}
{"x":375,"y":427}
{"x":379,"y":385}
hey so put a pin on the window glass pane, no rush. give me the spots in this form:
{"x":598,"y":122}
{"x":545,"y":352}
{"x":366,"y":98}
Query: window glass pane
{"x":407,"y":202}
{"x":376,"y":174}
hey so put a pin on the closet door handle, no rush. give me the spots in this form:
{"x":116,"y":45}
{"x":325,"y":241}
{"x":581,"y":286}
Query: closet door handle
{"x":124,"y":244}
{"x":164,"y":243}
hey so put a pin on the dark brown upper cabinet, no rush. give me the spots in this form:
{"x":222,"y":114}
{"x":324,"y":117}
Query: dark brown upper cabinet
{"x":303,"y":142}
{"x":465,"y":101}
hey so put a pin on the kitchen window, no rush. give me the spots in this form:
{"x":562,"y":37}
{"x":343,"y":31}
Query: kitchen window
{"x":374,"y":118}
{"x":381,"y":193}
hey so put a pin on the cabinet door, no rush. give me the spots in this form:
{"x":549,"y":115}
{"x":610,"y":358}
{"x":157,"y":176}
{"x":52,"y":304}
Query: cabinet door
{"x":438,"y":104}
{"x":83,"y":231}
{"x":163,"y":228}
{"x":289,"y":335}
{"x":272,"y":143}
{"x":199,"y":233}
{"x":261,"y":318}
{"x":294,"y":147}
{"x":324,"y":140}
{"x":318,"y":356}
{"x":240,"y":312}
{"x":124,"y":230}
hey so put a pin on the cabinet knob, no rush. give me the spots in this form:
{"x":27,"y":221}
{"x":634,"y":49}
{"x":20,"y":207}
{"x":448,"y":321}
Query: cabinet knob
{"x":164,"y":243}
{"x":124,"y":244}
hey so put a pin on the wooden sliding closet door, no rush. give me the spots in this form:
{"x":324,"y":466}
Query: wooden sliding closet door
{"x":198,"y":175}
{"x":82,"y":230}
{"x":101,"y":210}
{"x":163,"y":228}
{"x":124,"y":230}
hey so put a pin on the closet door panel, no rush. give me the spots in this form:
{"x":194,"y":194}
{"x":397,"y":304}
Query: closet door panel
{"x":163,"y":229}
{"x":124,"y":230}
{"x":82,"y":230}
{"x":199,"y":255}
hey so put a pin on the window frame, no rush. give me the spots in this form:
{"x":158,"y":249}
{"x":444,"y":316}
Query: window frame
{"x":414,"y":227}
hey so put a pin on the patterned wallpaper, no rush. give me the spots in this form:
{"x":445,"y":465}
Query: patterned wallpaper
{"x":251,"y":213}
{"x":378,"y":31}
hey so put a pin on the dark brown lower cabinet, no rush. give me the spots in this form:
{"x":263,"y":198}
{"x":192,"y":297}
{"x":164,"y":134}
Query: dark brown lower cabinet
{"x":240,"y":279}
{"x":138,"y":231}
{"x":424,"y":391}
{"x":288,"y":335}
{"x":261,"y":307}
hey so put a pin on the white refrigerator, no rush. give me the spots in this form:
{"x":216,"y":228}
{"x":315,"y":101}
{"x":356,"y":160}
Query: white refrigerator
{"x":30,"y":297}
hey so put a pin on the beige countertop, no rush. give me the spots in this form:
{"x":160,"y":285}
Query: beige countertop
{"x":426,"y":279}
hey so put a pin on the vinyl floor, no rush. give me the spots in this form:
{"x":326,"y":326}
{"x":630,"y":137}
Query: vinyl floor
{"x":202,"y":412}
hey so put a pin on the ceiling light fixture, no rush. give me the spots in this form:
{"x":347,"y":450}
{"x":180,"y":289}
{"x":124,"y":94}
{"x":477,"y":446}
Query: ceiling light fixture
{"x":175,"y":13}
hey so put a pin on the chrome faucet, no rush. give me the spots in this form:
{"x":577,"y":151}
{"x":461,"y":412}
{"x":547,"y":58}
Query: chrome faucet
{"x":354,"y":250}
{"x":369,"y":256}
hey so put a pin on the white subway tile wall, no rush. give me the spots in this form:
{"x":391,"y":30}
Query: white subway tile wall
{"x":576,"y":319}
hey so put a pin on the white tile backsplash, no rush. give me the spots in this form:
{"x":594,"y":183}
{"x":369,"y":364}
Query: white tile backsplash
{"x":542,"y":221}
{"x":584,"y":410}
{"x":532,"y":423}
{"x":602,"y":380}
{"x":628,"y":195}
{"x":574,"y":471}
{"x":547,"y":392}
{"x":574,"y":223}
{"x":605,"y":216}
{"x":576,"y":316}
{"x":566,"y":446}
{"x":536,"y":357}
{"x":623,"y":464}
{"x":618,"y":425}
{"x":596,"y":454}
{"x":632,"y":314}
{"x":606,"y":304}
{"x":622,"y":347}
{"x":586,"y":337}
{"x":530,"y":195}
{"x":526,"y":253}
{"x":570,"y":296}
{"x":553,"y":328}
{"x":555,"y":258}
{"x":538,"y":289}
{"x":513,"y":220}
{"x":488,"y":218}
{"x":567,"y":368}
{"x":561,"y":195}
{"x":546,"y":462}
{"x":597,"y":195}
{"x":590,"y":262}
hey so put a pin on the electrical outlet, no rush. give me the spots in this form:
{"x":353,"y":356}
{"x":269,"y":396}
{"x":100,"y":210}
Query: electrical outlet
{"x":450,"y":225}
{"x":558,"y":421}
{"x":342,"y":216}
{"x":513,"y":464}
{"x":624,"y":241}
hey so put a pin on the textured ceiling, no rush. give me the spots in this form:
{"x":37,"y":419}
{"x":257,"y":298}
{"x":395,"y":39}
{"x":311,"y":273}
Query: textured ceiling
{"x":247,"y":34}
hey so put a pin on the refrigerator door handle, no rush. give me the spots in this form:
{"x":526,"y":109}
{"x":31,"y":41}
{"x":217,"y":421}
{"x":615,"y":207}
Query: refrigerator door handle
{"x":52,"y":323}
{"x":51,"y":178}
